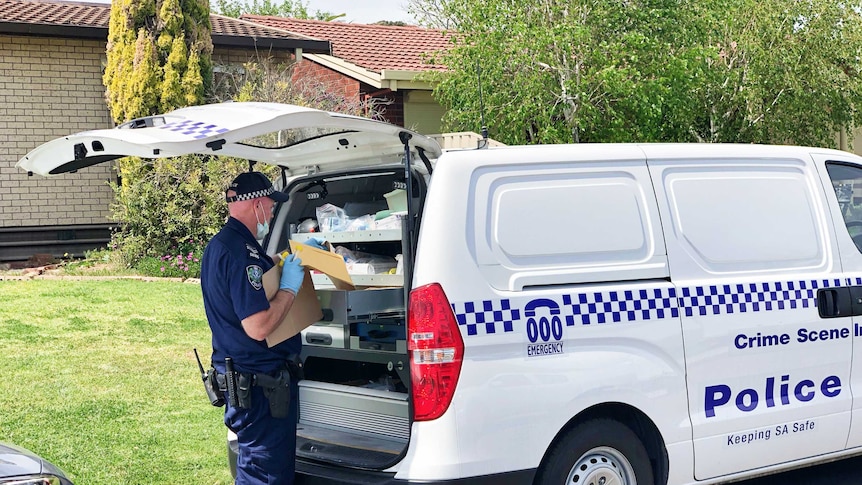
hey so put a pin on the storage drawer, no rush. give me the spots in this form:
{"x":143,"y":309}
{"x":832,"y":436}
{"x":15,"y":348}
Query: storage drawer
{"x":398,"y":346}
{"x":343,"y":307}
{"x":355,"y":408}
{"x":323,"y":334}
{"x":383,"y":335}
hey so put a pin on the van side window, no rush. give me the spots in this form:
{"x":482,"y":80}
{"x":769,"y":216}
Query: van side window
{"x":847,"y":182}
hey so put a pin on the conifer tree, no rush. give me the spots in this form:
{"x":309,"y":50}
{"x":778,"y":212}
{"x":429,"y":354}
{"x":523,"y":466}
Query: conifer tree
{"x":159,"y":58}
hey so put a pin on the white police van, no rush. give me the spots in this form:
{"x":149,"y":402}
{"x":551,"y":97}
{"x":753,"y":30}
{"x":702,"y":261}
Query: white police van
{"x":650,"y":314}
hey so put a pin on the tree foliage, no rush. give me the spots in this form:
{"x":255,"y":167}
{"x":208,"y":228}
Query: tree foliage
{"x":557,"y":71}
{"x":287,"y":8}
{"x":431,"y":13}
{"x":174,"y":207}
{"x":782,"y":72}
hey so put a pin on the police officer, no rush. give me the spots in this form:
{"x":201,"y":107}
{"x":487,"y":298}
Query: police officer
{"x":241,"y":317}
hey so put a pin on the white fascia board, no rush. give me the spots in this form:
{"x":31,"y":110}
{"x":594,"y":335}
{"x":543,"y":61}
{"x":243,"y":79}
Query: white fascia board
{"x":399,"y":75}
{"x":405,"y":80}
{"x":347,"y":68}
{"x":388,"y":79}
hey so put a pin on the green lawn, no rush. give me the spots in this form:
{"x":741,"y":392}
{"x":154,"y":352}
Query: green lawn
{"x":99,"y":377}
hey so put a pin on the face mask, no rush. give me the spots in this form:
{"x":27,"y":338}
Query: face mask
{"x":262,"y":227}
{"x":262,"y":230}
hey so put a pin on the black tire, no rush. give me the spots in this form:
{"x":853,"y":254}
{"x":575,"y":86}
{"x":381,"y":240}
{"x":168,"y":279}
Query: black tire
{"x":597,"y":452}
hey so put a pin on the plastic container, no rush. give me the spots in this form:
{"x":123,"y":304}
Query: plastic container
{"x":396,"y":200}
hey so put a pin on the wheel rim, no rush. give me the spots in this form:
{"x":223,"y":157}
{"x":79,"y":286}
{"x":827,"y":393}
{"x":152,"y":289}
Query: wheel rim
{"x":602,"y":466}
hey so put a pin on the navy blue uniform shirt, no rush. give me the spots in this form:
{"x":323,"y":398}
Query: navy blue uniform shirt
{"x":232,"y":284}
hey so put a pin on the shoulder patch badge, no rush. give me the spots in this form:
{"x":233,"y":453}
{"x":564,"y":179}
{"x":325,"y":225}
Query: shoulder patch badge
{"x":255,"y":276}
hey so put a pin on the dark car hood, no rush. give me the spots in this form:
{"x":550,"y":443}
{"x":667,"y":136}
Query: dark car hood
{"x":16,"y":461}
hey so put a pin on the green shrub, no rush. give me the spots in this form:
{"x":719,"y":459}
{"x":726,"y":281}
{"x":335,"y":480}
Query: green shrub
{"x":174,"y":203}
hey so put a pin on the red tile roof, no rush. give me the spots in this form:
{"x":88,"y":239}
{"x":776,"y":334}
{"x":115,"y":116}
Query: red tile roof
{"x":80,"y":19}
{"x":373,"y":47}
{"x":242,"y":28}
{"x":57,"y":13}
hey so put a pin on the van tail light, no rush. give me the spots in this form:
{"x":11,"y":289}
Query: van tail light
{"x":436,"y":351}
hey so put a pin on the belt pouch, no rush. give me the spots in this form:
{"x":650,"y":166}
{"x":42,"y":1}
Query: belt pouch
{"x":294,"y":366}
{"x":243,"y":391}
{"x":214,"y":388}
{"x":277,"y":391}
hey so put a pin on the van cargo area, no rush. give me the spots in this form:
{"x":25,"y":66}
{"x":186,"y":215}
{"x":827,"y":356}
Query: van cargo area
{"x":353,"y":403}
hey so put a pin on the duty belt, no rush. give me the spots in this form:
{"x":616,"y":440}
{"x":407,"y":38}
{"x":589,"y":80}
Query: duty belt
{"x":276,"y":387}
{"x":258,"y":380}
{"x":292,"y":367}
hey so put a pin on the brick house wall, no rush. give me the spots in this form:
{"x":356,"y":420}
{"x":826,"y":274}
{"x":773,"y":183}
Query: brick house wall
{"x":394,"y":111}
{"x":52,"y":54}
{"x":50,"y":87}
{"x":392,"y":102}
{"x":334,"y":81}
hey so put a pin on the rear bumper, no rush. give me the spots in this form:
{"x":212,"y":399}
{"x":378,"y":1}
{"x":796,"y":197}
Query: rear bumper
{"x":316,"y":474}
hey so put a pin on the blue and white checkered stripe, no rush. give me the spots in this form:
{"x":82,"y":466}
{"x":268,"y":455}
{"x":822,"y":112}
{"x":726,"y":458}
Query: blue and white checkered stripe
{"x":620,"y":306}
{"x":197,"y":129}
{"x":752,"y":297}
{"x":252,"y":195}
{"x":498,"y":316}
{"x":486,"y":315}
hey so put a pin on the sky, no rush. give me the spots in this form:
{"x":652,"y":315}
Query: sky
{"x":364,"y":11}
{"x":358,"y":11}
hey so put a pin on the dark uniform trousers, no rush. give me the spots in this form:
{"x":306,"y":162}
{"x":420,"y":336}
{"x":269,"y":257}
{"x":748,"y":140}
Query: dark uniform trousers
{"x":267,"y":445}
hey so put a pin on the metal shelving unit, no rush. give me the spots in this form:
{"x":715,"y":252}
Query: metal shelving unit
{"x":359,"y":280}
{"x":377,"y":235}
{"x":321,"y":281}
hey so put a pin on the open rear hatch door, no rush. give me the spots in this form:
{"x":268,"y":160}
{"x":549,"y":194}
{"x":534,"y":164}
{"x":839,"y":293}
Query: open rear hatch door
{"x":292,"y":137}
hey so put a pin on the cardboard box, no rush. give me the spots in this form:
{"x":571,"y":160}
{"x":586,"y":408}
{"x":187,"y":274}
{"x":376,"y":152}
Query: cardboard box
{"x":324,"y":261}
{"x":306,"y":308}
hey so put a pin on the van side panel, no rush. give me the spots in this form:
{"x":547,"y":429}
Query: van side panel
{"x":749,"y":245}
{"x":564,"y":222}
{"x":546,"y":333}
{"x":846,"y":214}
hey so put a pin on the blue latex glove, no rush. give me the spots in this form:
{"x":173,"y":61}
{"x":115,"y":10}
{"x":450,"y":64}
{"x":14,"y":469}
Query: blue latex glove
{"x":292,"y":274}
{"x":317,"y":242}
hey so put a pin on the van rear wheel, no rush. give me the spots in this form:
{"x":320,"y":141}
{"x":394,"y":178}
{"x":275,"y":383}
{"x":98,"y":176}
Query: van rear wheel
{"x":597,"y":452}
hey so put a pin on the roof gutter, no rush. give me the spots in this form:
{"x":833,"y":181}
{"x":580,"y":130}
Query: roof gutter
{"x":307,"y":46}
{"x":101,"y":33}
{"x":53,"y":30}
